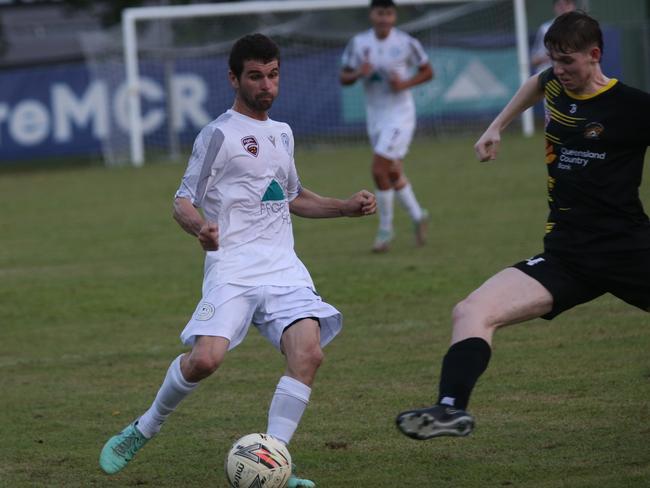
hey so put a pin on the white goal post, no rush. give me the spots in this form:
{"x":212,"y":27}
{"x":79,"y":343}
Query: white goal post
{"x":132,"y":16}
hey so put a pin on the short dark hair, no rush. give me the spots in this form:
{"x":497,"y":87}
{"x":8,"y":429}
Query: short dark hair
{"x":252,"y":46}
{"x":381,"y":3}
{"x":573,"y":31}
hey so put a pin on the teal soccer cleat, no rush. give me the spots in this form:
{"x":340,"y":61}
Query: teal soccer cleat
{"x":295,"y":482}
{"x":382,"y":241}
{"x":120,"y":449}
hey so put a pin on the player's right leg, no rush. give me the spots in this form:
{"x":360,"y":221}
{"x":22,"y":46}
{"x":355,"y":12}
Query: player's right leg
{"x":406,"y":197}
{"x":385,"y":202}
{"x":181,"y":379}
{"x":508,"y":297}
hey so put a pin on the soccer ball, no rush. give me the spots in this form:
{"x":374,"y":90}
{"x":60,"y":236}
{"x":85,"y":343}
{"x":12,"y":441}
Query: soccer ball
{"x":258,"y":461}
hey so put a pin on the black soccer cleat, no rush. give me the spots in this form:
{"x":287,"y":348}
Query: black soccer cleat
{"x":435,"y":421}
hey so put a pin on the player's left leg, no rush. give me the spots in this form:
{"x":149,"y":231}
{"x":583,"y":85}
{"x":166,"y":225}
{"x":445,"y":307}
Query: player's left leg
{"x":406,"y":197}
{"x":509,"y":297}
{"x":299,"y":324}
{"x":301,"y":346}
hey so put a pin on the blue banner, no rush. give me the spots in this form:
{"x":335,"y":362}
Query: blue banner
{"x":62,"y":110}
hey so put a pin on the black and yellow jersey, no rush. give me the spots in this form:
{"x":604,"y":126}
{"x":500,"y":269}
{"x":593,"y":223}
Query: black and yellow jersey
{"x":595,"y":148}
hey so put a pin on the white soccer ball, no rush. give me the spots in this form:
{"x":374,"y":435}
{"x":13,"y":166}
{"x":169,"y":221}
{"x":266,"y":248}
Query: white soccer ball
{"x":258,"y":461}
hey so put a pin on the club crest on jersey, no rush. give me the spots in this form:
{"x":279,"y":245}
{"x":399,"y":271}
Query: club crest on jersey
{"x":593,"y":130}
{"x":251,"y":145}
{"x":205,"y":311}
{"x":285,"y":142}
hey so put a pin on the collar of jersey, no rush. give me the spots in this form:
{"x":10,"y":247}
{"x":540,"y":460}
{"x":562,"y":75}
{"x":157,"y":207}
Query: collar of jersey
{"x":610,"y":84}
{"x":247,"y":118}
{"x":390,"y":35}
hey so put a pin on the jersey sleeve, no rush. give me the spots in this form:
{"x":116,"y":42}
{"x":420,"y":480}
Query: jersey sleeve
{"x":350,"y":58}
{"x":293,"y":183}
{"x":418,"y":55}
{"x":544,"y":77}
{"x":208,"y":157}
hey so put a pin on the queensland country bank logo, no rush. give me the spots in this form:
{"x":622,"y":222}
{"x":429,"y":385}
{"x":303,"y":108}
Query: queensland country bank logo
{"x":274,"y":202}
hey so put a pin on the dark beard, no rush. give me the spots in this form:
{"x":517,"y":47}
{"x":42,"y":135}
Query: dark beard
{"x":256,"y":104}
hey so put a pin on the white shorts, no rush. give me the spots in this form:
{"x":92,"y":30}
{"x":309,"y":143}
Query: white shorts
{"x":228,"y":311}
{"x":392,"y":140}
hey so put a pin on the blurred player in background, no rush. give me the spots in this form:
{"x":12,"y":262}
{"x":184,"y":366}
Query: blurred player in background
{"x":242,"y":175}
{"x":597,"y":235}
{"x":385,"y":58}
{"x":539,"y":59}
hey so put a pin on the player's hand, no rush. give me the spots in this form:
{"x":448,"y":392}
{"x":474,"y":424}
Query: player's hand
{"x":396,"y":83}
{"x":209,"y":236}
{"x":487,"y":146}
{"x":365,"y":69}
{"x":361,"y":203}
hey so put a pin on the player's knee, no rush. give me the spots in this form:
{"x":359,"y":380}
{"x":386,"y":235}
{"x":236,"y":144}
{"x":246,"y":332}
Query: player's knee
{"x":313,"y":357}
{"x":201,"y":365}
{"x":307,"y":360}
{"x":380,"y":175}
{"x":469,"y":311}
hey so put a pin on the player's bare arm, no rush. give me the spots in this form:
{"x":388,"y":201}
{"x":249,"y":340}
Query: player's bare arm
{"x":529,"y":94}
{"x":349,"y":76}
{"x":193,"y":223}
{"x":311,"y":205}
{"x":424,"y":74}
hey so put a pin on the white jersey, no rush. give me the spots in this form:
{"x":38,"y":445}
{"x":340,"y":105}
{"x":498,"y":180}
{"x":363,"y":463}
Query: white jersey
{"x":242,"y":175}
{"x":398,"y":54}
{"x":539,"y":49}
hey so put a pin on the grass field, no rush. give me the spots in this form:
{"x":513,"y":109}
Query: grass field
{"x":97,"y":281}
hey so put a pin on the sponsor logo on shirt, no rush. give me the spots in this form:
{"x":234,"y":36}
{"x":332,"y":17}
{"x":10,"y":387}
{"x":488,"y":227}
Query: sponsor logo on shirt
{"x":251,"y":145}
{"x":272,"y":139}
{"x":273,"y":192}
{"x":274,"y":202}
{"x":570,"y":158}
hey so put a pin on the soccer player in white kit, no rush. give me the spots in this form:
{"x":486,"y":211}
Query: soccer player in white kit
{"x":243,"y":177}
{"x":389,"y":62}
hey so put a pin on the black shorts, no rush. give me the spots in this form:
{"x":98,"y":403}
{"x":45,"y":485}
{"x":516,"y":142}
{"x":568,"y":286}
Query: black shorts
{"x":573,"y":279}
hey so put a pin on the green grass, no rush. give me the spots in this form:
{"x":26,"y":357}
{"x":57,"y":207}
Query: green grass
{"x":97,"y":281}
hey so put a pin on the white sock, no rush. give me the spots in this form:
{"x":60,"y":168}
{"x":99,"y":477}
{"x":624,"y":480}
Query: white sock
{"x":385,"y":208}
{"x":173,"y":389}
{"x":407,"y":198}
{"x":289,"y":402}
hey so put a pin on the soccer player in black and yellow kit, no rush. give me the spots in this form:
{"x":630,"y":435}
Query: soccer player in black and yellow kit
{"x":597,"y":235}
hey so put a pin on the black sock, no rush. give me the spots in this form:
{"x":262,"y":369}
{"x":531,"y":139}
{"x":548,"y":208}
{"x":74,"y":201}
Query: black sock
{"x":461,"y":367}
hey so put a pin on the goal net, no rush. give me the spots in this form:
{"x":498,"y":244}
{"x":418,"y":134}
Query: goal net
{"x":179,"y":55}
